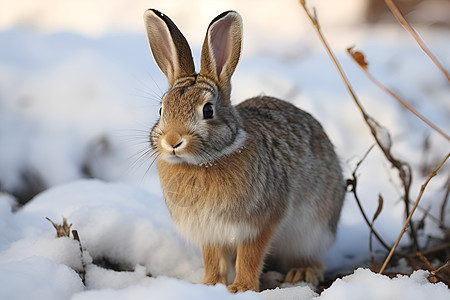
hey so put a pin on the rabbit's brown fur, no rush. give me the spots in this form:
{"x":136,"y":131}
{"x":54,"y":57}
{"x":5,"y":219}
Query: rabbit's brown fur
{"x":252,"y":183}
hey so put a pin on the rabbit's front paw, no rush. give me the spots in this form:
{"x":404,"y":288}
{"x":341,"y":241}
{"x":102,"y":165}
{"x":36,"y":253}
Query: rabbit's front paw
{"x":213,"y":280}
{"x":241,"y":287}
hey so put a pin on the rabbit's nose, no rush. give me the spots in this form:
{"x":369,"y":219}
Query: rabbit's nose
{"x":171,"y":143}
{"x":180,"y":143}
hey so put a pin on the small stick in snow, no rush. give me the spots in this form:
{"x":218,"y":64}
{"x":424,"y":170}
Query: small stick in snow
{"x":422,"y":189}
{"x":398,"y":15}
{"x":81,"y":273}
{"x":63,"y":229}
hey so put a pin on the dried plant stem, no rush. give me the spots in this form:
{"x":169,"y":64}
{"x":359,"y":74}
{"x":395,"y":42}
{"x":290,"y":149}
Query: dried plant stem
{"x":422,"y":189}
{"x":425,"y":261}
{"x":81,"y":272}
{"x":382,"y":242}
{"x":62,"y":230}
{"x":315,"y":22}
{"x":353,"y":183}
{"x":433,"y":218}
{"x":398,"y":15}
{"x":403,"y":168}
{"x":436,"y":249}
{"x":434,"y":273}
{"x":446,"y":265}
{"x":444,"y":202}
{"x":406,"y":105}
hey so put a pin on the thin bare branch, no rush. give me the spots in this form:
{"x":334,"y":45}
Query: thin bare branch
{"x":422,"y":189}
{"x":353,"y":183}
{"x":359,"y":58}
{"x":446,"y":265}
{"x":436,"y":249}
{"x":81,"y":272}
{"x":398,"y":15}
{"x":381,"y":136}
{"x":444,"y":202}
{"x":426,"y":261}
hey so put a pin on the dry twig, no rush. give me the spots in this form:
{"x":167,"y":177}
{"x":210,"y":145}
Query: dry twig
{"x":380,"y":134}
{"x":444,"y":202}
{"x":443,"y":267}
{"x":398,"y":15}
{"x":82,"y":272}
{"x":361,"y":61}
{"x":422,"y":189}
{"x":434,"y":273}
{"x":353,"y":183}
{"x":426,"y":261}
{"x":63,"y":229}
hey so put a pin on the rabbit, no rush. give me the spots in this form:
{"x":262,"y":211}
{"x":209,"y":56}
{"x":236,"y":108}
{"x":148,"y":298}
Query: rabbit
{"x":253,"y":184}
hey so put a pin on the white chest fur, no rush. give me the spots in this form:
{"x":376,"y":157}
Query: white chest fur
{"x":210,"y":227}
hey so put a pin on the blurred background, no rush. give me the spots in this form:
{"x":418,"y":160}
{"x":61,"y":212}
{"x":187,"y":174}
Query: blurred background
{"x":79,"y":90}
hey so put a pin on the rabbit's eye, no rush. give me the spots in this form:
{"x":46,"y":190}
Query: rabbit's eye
{"x":208,"y":111}
{"x":160,"y":110}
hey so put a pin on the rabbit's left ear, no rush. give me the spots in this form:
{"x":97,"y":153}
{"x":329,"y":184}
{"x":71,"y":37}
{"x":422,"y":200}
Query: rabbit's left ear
{"x":169,"y":47}
{"x":222,"y":48}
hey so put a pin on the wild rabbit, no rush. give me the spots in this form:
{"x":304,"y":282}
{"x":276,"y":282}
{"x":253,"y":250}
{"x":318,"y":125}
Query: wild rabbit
{"x":253,"y":183}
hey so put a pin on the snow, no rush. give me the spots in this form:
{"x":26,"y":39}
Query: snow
{"x":364,"y":284}
{"x":38,"y":278}
{"x":128,"y":225}
{"x":79,"y":92}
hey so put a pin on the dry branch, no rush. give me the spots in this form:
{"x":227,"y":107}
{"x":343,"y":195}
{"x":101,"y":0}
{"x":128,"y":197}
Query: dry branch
{"x":380,"y":134}
{"x":436,"y":249}
{"x":353,"y":183}
{"x":398,"y":15}
{"x":63,"y":230}
{"x":82,"y":272}
{"x":434,"y":273}
{"x":444,"y":202}
{"x":422,"y":189}
{"x":361,"y":61}
{"x":443,"y":267}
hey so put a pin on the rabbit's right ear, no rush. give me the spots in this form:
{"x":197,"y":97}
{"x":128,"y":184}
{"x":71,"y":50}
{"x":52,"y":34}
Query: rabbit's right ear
{"x":222,"y":48}
{"x":169,"y":47}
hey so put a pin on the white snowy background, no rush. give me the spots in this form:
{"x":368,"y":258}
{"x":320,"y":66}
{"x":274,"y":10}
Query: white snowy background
{"x":79,"y":92}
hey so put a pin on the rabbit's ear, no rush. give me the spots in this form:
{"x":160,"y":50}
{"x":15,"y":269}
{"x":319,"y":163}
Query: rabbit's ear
{"x":169,"y":47}
{"x":222,"y":48}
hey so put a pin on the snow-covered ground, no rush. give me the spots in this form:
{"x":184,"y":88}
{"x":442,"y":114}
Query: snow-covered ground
{"x":79,"y":91}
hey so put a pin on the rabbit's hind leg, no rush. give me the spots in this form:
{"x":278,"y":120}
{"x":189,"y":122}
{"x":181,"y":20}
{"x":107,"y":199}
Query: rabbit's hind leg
{"x":310,"y":271}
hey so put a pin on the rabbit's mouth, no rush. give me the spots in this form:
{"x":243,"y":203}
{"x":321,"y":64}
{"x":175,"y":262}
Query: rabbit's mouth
{"x":179,"y":150}
{"x":177,"y":157}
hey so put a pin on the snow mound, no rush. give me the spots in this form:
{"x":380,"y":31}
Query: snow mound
{"x":131,"y":228}
{"x":364,"y":284}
